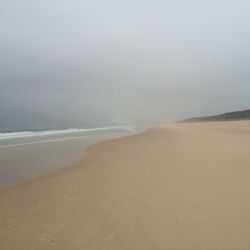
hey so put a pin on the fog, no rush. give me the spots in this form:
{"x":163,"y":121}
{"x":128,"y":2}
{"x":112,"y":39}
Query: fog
{"x":112,"y":61}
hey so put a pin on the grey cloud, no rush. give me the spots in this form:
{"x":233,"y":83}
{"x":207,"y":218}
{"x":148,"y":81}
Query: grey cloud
{"x":124,"y":61}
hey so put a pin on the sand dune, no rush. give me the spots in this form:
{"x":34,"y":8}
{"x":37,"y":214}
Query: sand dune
{"x":179,"y":186}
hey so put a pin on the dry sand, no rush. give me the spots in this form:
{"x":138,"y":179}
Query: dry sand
{"x":182,"y":186}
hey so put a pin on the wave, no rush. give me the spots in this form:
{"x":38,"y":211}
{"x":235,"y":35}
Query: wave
{"x":25,"y":134}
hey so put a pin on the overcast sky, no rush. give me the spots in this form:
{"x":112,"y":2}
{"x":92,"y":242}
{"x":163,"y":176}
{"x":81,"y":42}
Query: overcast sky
{"x":124,"y":61}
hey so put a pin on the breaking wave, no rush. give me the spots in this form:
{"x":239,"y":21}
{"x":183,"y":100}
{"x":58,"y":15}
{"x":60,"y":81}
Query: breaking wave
{"x":25,"y":134}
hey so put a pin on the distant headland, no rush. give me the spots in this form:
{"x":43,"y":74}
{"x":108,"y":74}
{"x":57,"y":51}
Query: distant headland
{"x":231,"y":116}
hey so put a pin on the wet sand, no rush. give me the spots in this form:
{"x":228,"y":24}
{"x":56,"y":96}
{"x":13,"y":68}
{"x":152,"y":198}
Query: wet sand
{"x":179,"y":186}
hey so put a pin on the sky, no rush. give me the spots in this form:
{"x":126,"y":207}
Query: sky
{"x":133,"y":61}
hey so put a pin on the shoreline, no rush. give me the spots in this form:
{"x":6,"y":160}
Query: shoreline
{"x":71,"y":167}
{"x":24,"y":159}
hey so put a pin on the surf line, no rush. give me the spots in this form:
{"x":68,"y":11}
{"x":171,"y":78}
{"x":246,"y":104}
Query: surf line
{"x":45,"y":141}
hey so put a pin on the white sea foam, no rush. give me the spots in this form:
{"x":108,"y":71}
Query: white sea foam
{"x":25,"y":134}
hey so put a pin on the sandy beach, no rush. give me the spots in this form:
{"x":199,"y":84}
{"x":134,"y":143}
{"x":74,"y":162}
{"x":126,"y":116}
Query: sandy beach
{"x":177,"y":186}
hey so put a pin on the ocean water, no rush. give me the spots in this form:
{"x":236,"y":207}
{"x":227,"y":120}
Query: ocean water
{"x":27,"y":154}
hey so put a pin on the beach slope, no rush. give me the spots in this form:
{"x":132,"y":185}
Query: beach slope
{"x":179,"y":186}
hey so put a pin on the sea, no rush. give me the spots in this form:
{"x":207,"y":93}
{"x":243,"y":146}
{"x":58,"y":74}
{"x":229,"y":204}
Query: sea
{"x":27,"y":154}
